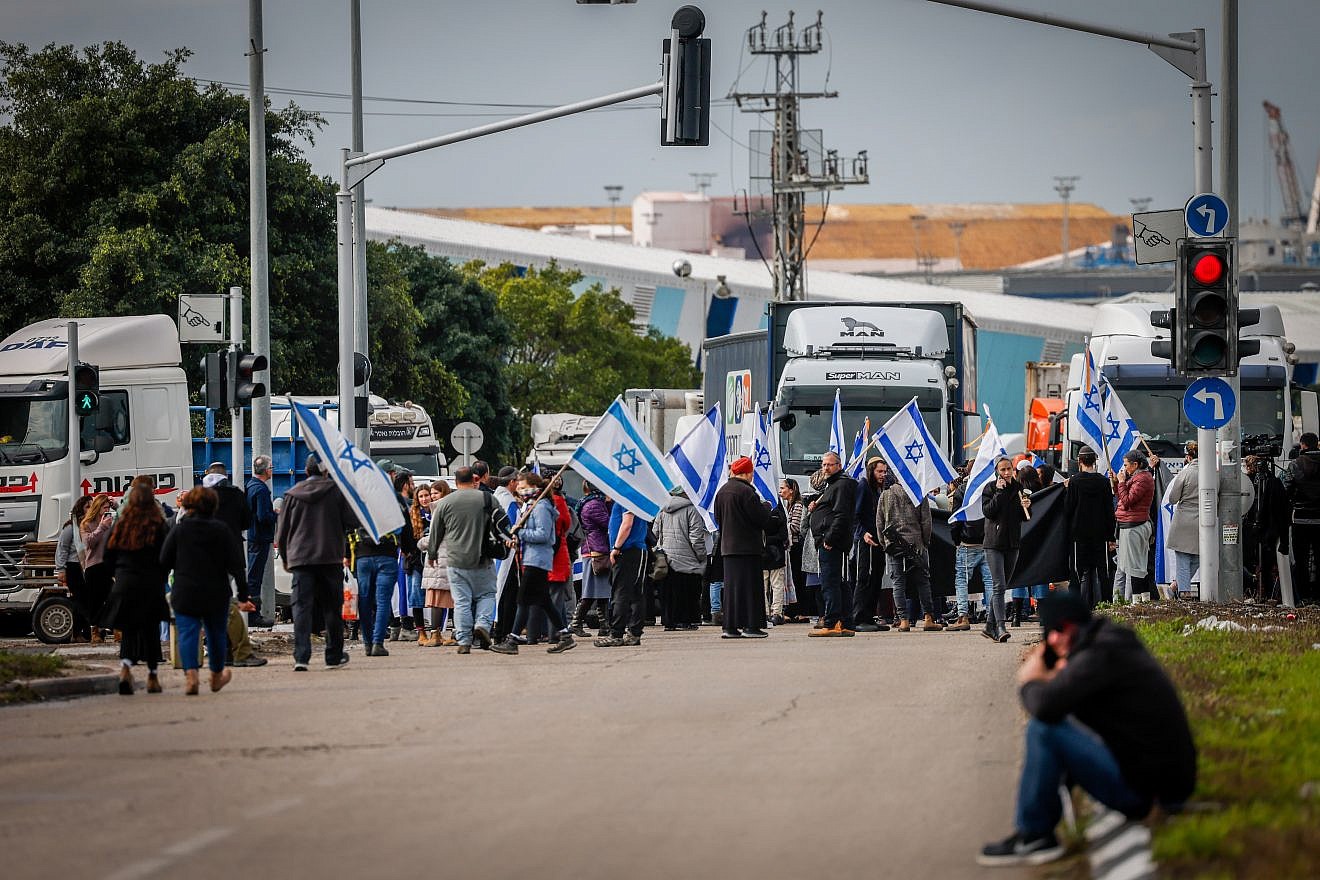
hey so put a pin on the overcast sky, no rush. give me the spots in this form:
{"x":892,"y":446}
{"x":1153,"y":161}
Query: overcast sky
{"x":953,"y":105}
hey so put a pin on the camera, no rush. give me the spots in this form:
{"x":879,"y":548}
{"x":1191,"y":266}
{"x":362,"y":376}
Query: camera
{"x":1263,"y":445}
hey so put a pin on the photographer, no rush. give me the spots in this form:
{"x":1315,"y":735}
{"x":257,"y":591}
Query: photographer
{"x":1267,"y":525}
{"x":904,"y":530}
{"x":1303,"y":484}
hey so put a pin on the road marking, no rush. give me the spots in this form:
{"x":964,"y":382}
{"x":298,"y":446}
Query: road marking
{"x":1124,"y":853}
{"x":138,"y":870}
{"x":190,"y":845}
{"x":274,"y":807}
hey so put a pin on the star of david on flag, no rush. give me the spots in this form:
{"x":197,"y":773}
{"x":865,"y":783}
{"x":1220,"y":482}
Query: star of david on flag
{"x":1104,"y":419}
{"x":982,"y":472}
{"x":857,"y":461}
{"x":765,"y":476}
{"x":913,"y":454}
{"x":623,"y":463}
{"x":368,"y":490}
{"x":700,"y":463}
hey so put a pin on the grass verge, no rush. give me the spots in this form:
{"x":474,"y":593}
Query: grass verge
{"x":1254,"y":703}
{"x":18,"y":666}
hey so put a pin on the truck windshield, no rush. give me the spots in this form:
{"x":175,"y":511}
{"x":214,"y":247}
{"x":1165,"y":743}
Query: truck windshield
{"x":33,"y":429}
{"x":1159,"y":414}
{"x":426,"y":464}
{"x":803,"y":446}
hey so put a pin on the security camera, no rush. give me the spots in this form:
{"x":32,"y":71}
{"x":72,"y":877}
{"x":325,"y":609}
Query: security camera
{"x":682,"y":268}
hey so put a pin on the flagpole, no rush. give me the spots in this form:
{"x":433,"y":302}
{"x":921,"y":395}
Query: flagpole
{"x":544,"y":489}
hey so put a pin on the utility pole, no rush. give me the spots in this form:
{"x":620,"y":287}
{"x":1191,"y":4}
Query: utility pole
{"x":701,"y":180}
{"x":1064,"y":186}
{"x":793,"y":171}
{"x":957,"y":227}
{"x":258,"y":258}
{"x":612,"y":192}
{"x":1140,"y":204}
{"x":75,"y":424}
{"x":1230,"y":471}
{"x":362,"y":433}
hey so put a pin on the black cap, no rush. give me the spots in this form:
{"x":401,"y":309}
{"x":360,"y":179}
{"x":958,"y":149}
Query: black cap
{"x":1060,"y":607}
{"x":313,"y":466}
{"x":506,"y":473}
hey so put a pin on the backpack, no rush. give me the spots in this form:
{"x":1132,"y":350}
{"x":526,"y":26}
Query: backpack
{"x":492,"y":543}
{"x":576,"y":533}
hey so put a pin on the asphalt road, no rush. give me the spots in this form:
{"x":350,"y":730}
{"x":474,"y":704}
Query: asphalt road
{"x":884,"y":755}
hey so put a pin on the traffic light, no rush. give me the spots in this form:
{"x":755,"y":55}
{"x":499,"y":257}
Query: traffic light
{"x":215,"y":391}
{"x":86,"y":389}
{"x":243,"y":386}
{"x":685,"y":98}
{"x":1205,"y":310}
{"x":1165,"y":319}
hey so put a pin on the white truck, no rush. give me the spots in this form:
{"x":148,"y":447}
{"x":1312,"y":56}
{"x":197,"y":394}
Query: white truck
{"x":554,"y":438}
{"x":400,"y":432}
{"x":141,"y":427}
{"x":1272,"y":411}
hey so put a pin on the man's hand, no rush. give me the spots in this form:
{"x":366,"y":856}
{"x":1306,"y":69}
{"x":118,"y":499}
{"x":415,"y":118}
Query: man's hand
{"x":247,"y":606}
{"x":826,"y":546}
{"x":1154,"y":461}
{"x":868,"y":539}
{"x":1034,"y":668}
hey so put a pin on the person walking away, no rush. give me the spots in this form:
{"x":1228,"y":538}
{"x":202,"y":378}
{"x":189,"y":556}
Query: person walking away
{"x":1005,"y":507}
{"x":832,"y":529}
{"x":536,"y":552}
{"x":898,"y":520}
{"x":627,"y":539}
{"x":232,"y":510}
{"x":69,"y":570}
{"x":1089,"y":506}
{"x":1268,"y":518}
{"x":1303,"y":485}
{"x":743,"y":519}
{"x":137,"y":604}
{"x":1103,"y":716}
{"x":261,"y":534}
{"x":94,"y":534}
{"x":460,"y":523}
{"x":309,"y":534}
{"x":1135,"y":487}
{"x":969,"y":557}
{"x":869,"y":560}
{"x":594,"y":514}
{"x":204,"y":553}
{"x":375,"y":564}
{"x":681,"y":533}
{"x":1184,"y":537}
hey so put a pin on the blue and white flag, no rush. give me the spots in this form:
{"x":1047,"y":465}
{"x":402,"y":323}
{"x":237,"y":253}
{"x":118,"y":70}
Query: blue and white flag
{"x":982,"y":473}
{"x":765,"y":474}
{"x":1103,"y":418}
{"x":700,"y":462}
{"x":623,"y":463}
{"x":1165,"y":566}
{"x":368,"y":490}
{"x":836,"y":427}
{"x":857,"y":461}
{"x":914,"y":456}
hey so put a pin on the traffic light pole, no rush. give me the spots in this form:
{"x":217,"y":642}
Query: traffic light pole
{"x":75,"y":426}
{"x":1230,"y":474}
{"x":236,"y":414}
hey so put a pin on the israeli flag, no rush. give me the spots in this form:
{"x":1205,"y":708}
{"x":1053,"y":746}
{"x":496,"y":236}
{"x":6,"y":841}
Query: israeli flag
{"x":700,"y":462}
{"x":368,"y":490}
{"x":1121,"y":434}
{"x":856,"y":462}
{"x":982,"y":473}
{"x":765,"y":475}
{"x":1165,"y":566}
{"x":913,"y":455}
{"x":836,"y":427}
{"x":1104,"y":419}
{"x":624,"y":464}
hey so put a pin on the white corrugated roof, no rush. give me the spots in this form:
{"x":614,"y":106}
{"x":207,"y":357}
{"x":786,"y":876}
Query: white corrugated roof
{"x":464,"y":240}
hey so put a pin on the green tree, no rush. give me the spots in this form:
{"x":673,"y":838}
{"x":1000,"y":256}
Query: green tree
{"x":462,"y":328}
{"x":576,"y":353}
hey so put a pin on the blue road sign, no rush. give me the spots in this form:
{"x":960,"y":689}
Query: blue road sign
{"x":1206,"y":215}
{"x":1209,"y":402}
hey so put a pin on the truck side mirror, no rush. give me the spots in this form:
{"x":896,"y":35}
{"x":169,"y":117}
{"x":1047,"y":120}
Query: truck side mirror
{"x":103,"y":443}
{"x":89,"y":456}
{"x":785,"y":419}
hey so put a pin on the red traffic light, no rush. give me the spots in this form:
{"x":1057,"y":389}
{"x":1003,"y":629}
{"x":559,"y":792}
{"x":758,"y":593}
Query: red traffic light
{"x":1208,"y":268}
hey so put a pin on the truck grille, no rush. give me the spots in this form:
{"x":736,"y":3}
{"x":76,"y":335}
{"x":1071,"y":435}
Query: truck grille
{"x":11,"y":555}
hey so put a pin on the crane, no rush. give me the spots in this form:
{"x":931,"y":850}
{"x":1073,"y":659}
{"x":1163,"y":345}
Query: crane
{"x":1292,"y":192}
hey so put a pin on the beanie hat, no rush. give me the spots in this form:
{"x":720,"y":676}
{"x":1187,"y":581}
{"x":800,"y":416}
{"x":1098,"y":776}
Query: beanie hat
{"x":741,"y":465}
{"x":1062,"y":607}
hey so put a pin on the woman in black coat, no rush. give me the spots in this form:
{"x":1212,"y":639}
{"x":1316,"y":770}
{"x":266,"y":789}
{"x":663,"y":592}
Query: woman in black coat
{"x":1005,"y":508}
{"x":204,"y":554}
{"x":136,"y":605}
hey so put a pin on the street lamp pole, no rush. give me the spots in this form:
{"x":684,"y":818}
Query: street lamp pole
{"x":1064,"y":186}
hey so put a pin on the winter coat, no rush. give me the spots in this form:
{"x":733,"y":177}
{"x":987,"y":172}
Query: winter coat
{"x":912,"y":521}
{"x":562,"y":571}
{"x":594,"y":514}
{"x":1185,"y":533}
{"x":312,"y":524}
{"x":233,"y":508}
{"x":742,"y":517}
{"x":1270,"y":513}
{"x":204,"y":554}
{"x":865,"y":510}
{"x":1303,"y":483}
{"x":435,"y":576}
{"x":95,"y":538}
{"x":262,"y":509}
{"x":1115,"y":687}
{"x":1089,"y":505}
{"x":137,"y":598}
{"x":1135,"y":496}
{"x":537,"y":537}
{"x":681,"y":533}
{"x":796,"y":511}
{"x":1003,"y":515}
{"x":832,"y":518}
{"x":775,"y":555}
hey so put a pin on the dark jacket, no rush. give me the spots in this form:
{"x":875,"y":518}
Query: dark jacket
{"x":204,"y":554}
{"x":233,"y":508}
{"x":1303,"y":482}
{"x":262,"y":509}
{"x":1003,"y":515}
{"x":594,"y":514}
{"x":864,"y":510}
{"x":137,"y":599}
{"x":1089,"y":505}
{"x":912,"y":521}
{"x":776,"y":540}
{"x":832,"y":517}
{"x":312,"y":524}
{"x":965,"y":534}
{"x":742,"y":518}
{"x":1115,"y":687}
{"x":1270,"y":514}
{"x":361,"y":544}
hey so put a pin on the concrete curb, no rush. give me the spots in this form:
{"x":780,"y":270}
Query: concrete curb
{"x":87,"y":685}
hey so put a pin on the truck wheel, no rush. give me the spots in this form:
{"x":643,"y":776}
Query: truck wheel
{"x":53,"y":620}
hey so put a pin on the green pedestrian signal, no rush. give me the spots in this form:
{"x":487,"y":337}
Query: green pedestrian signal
{"x":86,"y":389}
{"x":87,"y":403}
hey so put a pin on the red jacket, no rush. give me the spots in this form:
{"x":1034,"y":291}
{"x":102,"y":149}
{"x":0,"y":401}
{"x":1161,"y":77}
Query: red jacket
{"x":1135,"y":495}
{"x":562,"y":572}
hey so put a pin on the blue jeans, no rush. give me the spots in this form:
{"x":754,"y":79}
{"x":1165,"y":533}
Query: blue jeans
{"x":1067,"y":753}
{"x":190,"y":630}
{"x":1185,"y":565}
{"x":831,"y":589}
{"x":473,"y":590}
{"x":971,"y":559}
{"x":716,"y":594}
{"x":376,"y":577}
{"x":257,"y":554}
{"x":416,"y":598}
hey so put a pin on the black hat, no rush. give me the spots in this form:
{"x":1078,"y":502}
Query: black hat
{"x":313,"y":466}
{"x":1060,"y":607}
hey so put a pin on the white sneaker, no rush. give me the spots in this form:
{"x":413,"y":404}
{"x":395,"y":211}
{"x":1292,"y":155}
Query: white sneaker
{"x":300,"y":667}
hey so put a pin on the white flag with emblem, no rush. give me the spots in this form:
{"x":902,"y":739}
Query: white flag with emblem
{"x":913,"y":455}
{"x":765,"y":477}
{"x":623,"y":463}
{"x":983,"y":472}
{"x":700,"y":462}
{"x":836,"y":427}
{"x":368,"y":490}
